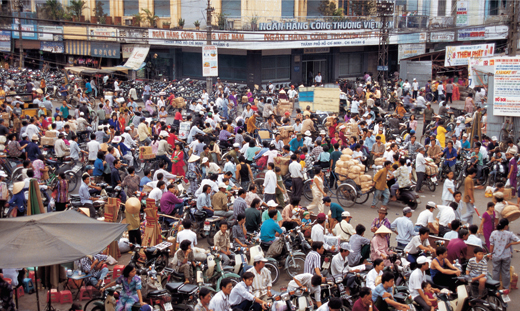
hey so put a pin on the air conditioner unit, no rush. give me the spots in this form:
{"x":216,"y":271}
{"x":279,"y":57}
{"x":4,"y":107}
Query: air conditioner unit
{"x":128,"y":22}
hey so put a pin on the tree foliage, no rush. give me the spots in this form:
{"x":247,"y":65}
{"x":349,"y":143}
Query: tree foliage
{"x":53,"y":10}
{"x":76,"y":7}
{"x":362,"y":7}
{"x":150,"y":17}
{"x":99,"y":12}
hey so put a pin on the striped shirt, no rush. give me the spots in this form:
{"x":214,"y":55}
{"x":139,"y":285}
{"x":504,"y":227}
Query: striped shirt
{"x":312,"y":261}
{"x":477,"y":268}
{"x":261,"y":282}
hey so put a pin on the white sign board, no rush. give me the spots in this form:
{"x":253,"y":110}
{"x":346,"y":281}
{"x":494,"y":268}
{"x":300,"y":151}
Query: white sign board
{"x":137,"y":57}
{"x":209,"y":61}
{"x":446,"y":36}
{"x":506,"y":100}
{"x":409,"y":50}
{"x":462,"y":13}
{"x":474,"y":79}
{"x":103,"y":34}
{"x":459,"y":55}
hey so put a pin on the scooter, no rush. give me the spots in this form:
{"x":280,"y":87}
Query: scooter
{"x":463,"y":301}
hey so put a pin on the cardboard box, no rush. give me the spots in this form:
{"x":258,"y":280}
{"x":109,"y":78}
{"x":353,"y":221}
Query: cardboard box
{"x":48,"y":141}
{"x":51,"y":134}
{"x":145,"y":150}
{"x":5,"y":116}
{"x":146,"y":156}
{"x":244,"y":99}
{"x":508,"y":194}
{"x":112,"y":201}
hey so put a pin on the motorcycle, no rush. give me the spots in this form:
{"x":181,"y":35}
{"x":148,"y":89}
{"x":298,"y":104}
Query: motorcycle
{"x":211,"y":272}
{"x":408,"y":196}
{"x":157,"y":255}
{"x":463,"y":301}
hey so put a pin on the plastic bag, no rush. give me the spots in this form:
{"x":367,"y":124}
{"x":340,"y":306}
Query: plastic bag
{"x":508,"y":184}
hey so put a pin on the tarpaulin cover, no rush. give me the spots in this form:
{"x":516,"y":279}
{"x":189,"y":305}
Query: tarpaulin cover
{"x":53,"y":238}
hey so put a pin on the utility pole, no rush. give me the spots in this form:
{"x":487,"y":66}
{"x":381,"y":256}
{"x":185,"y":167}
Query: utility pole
{"x":512,"y":37}
{"x":209,"y":11}
{"x":385,"y":9}
{"x":20,"y":8}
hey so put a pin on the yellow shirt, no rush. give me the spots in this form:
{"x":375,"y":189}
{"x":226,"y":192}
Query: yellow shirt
{"x":441,"y":136}
{"x":383,"y":138}
{"x":302,"y":163}
{"x":2,"y":96}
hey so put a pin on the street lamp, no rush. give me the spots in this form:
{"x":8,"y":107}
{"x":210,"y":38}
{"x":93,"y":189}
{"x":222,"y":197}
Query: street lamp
{"x":19,"y":5}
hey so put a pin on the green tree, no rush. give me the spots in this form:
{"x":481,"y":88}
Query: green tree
{"x":76,"y":7}
{"x":138,"y":19}
{"x":53,"y":10}
{"x":149,"y":17}
{"x":362,"y":7}
{"x":329,"y":9}
{"x":221,"y":21}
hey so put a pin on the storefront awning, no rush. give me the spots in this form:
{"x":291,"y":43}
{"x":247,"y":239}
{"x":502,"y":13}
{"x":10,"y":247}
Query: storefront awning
{"x":73,"y":47}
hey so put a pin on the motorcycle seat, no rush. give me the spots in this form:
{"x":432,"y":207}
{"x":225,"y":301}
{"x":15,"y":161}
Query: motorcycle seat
{"x":174,"y":287}
{"x":156,"y":293}
{"x":428,"y":278}
{"x":178,"y":275}
{"x":200,"y":214}
{"x":150,"y":250}
{"x":52,"y":162}
{"x":409,"y":188}
{"x":492,"y":284}
{"x":189,"y":289}
{"x":74,"y":196}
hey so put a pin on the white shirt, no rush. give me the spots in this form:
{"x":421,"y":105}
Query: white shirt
{"x":446,"y":215}
{"x":166,"y":175}
{"x":318,"y":79}
{"x":446,"y":195}
{"x":451,"y":235}
{"x":371,"y":278}
{"x":278,"y":145}
{"x":389,"y":156}
{"x":415,"y":86}
{"x":160,"y":103}
{"x":116,"y":86}
{"x":424,"y":218}
{"x":187,"y":234}
{"x":413,"y":246}
{"x":31,"y":130}
{"x":270,"y":182}
{"x":219,"y":302}
{"x":156,"y":194}
{"x":93,"y":149}
{"x":344,"y":230}
{"x":420,"y":163}
{"x":354,"y":108}
{"x":440,"y":88}
{"x":415,"y":281}
{"x":214,"y":186}
{"x":317,"y":235}
{"x":129,"y":141}
{"x":296,"y":170}
{"x":292,"y":93}
{"x":339,"y":265}
{"x":474,"y":240}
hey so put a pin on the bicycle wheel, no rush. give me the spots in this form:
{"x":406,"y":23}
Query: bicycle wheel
{"x":137,"y":163}
{"x":72,"y":180}
{"x":95,"y":304}
{"x":346,"y":195}
{"x":431,"y":185}
{"x":307,"y":190}
{"x":479,"y":307}
{"x":295,"y":265}
{"x":275,"y":273}
{"x":497,"y":302}
{"x":362,"y":197}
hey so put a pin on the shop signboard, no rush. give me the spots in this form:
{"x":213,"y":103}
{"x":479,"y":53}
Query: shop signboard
{"x":475,"y":78}
{"x":506,"y":100}
{"x":102,"y":34}
{"x":459,"y":55}
{"x":137,"y":57}
{"x":462,"y":13}
{"x":127,"y":49}
{"x":209,"y":61}
{"x":411,"y":38}
{"x":50,"y":33}
{"x":52,"y":46}
{"x":105,"y":49}
{"x":446,"y":36}
{"x":133,"y":35}
{"x":265,"y":41}
{"x":409,"y":50}
{"x":5,"y":41}
{"x":482,"y":33}
{"x":28,"y":32}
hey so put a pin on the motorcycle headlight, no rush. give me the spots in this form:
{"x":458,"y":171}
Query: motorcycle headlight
{"x":285,"y":296}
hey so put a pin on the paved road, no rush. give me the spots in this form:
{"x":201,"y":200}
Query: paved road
{"x":362,"y":214}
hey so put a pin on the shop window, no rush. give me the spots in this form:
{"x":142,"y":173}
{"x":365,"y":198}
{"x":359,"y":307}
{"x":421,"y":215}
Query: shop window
{"x":161,"y":8}
{"x":131,"y":7}
{"x":312,"y":7}
{"x":232,"y":8}
{"x":493,"y":7}
{"x":276,"y":68}
{"x":441,"y":8}
{"x":350,"y":64}
{"x":288,"y":8}
{"x":106,"y":6}
{"x":231,"y":67}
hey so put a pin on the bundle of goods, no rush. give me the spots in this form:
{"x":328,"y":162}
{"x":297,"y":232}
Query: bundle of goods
{"x":286,"y":133}
{"x":431,"y":167}
{"x":145,"y":153}
{"x":511,"y":212}
{"x":352,"y":169}
{"x":179,"y":102}
{"x":49,"y":139}
{"x":283,"y":164}
{"x":283,"y":107}
{"x":244,"y":99}
{"x":379,"y":161}
{"x":330,"y":120}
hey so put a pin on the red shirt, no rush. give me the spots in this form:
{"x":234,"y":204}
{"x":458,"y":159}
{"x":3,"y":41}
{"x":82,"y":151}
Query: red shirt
{"x":343,"y":139}
{"x":178,"y":116}
{"x":359,"y":306}
{"x":171,"y":139}
{"x":457,"y":249}
{"x":332,"y":129}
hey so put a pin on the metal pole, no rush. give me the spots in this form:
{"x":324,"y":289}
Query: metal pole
{"x":20,"y":6}
{"x":209,"y":10}
{"x":513,"y":31}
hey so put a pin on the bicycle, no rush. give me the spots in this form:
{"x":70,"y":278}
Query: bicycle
{"x":70,"y":175}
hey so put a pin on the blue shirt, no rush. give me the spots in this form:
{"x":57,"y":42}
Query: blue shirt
{"x":33,"y":151}
{"x":465,"y":145}
{"x":124,"y":149}
{"x":64,"y":111}
{"x":203,"y":200}
{"x":379,"y":291}
{"x":84,"y":195}
{"x":261,"y":153}
{"x":452,"y":154}
{"x":89,"y":88}
{"x":294,"y":143}
{"x":369,"y":142}
{"x":98,"y":168}
{"x":18,"y":201}
{"x":268,"y":230}
{"x":250,"y":153}
{"x":404,"y":227}
{"x":144,"y":181}
{"x":336,"y":210}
